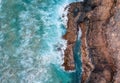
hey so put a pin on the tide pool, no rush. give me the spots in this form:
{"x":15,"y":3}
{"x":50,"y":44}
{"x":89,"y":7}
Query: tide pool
{"x":31,"y":44}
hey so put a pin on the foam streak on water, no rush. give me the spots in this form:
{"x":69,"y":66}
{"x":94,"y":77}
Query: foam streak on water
{"x":31,"y":44}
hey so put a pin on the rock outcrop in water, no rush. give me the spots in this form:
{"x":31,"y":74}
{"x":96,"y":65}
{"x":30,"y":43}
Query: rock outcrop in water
{"x":100,"y":24}
{"x":70,"y":36}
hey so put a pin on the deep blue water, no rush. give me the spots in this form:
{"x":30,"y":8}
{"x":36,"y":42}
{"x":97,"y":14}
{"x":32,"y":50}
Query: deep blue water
{"x":30,"y":35}
{"x":77,"y":59}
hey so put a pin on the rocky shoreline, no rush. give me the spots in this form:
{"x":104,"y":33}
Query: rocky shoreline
{"x":99,"y":21}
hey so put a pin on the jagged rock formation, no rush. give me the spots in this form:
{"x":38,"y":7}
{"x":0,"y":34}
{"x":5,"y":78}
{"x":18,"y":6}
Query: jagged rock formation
{"x":100,"y":24}
{"x":70,"y":36}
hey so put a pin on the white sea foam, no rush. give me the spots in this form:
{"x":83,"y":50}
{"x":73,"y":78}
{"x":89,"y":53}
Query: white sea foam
{"x":62,"y":12}
{"x":46,"y":56}
{"x":79,"y":33}
{"x":33,"y":57}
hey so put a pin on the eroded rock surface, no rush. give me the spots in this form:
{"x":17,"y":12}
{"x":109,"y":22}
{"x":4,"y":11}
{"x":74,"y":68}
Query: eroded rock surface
{"x":71,"y":36}
{"x":100,"y":24}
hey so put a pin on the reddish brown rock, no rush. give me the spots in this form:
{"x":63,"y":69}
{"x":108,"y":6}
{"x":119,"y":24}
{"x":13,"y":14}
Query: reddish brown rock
{"x":100,"y":25}
{"x":70,"y":36}
{"x":86,"y":61}
{"x":97,"y":43}
{"x":113,"y":37}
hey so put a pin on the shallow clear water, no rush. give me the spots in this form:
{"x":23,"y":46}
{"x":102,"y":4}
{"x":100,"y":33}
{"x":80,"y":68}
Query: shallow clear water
{"x":31,"y":44}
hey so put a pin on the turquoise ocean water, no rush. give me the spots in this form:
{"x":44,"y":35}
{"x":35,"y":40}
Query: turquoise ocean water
{"x":31,"y":44}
